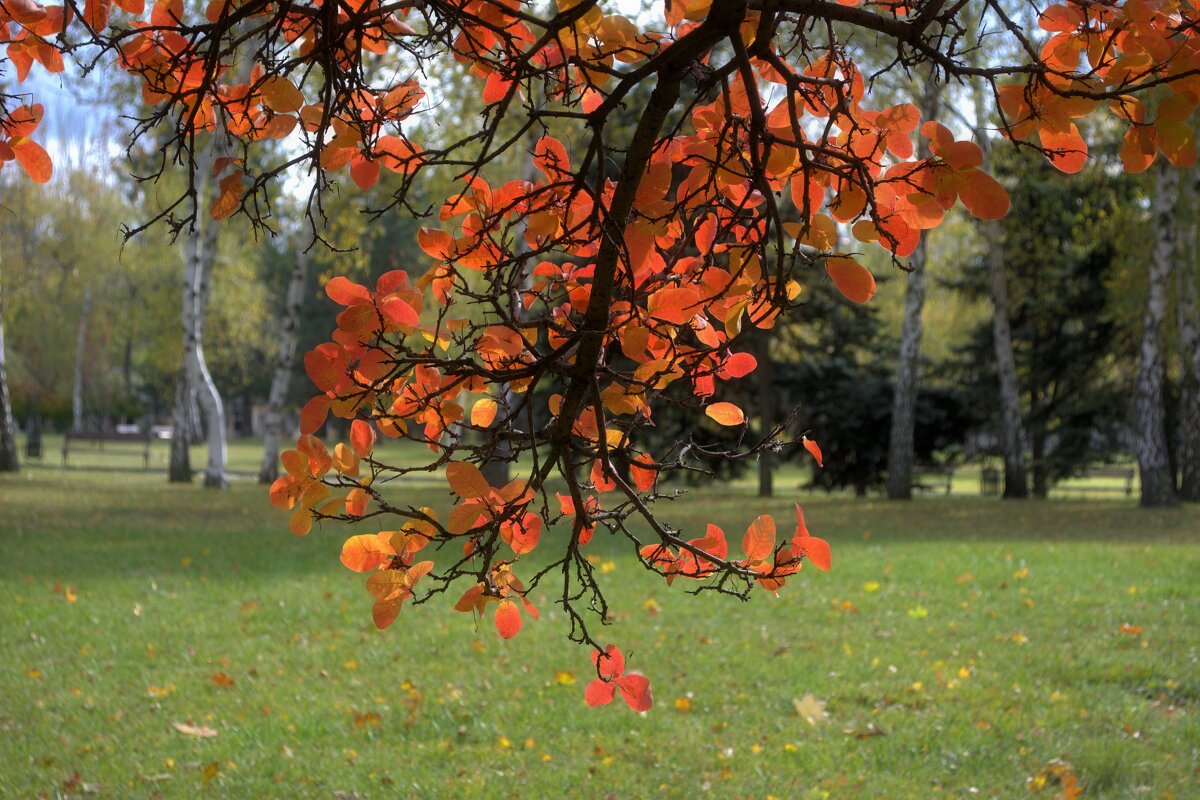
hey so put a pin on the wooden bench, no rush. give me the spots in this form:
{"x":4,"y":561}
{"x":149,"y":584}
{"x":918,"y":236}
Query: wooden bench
{"x":929,"y":477}
{"x":1125,"y":474}
{"x":100,"y":438}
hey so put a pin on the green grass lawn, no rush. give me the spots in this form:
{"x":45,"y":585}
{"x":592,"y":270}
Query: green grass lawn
{"x":960,"y":645}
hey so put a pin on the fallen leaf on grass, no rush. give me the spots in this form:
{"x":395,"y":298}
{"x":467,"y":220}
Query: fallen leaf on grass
{"x":210,"y":771}
{"x":1131,"y":630}
{"x":368,"y":719}
{"x":564,"y":678}
{"x":162,"y":776}
{"x":223,"y":680}
{"x":865,"y":733}
{"x":199,"y":731}
{"x":812,"y":709}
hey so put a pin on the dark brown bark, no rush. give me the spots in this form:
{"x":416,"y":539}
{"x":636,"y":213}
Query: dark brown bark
{"x":1187,"y":317}
{"x":1154,"y":463}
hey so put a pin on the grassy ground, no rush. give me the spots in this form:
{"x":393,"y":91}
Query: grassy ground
{"x":960,"y":647}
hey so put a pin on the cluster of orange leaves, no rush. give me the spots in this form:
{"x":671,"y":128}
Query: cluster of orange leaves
{"x":773,"y":563}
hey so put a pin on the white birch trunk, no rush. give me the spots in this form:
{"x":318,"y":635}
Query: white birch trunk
{"x":289,"y":338}
{"x":1157,"y":477}
{"x":200,"y":251}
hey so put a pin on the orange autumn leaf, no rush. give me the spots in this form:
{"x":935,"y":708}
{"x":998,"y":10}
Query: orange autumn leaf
{"x":483,"y":413}
{"x":643,"y":472}
{"x":466,"y":480}
{"x":362,"y":438}
{"x":508,"y":619}
{"x":853,"y":280}
{"x":814,"y":450}
{"x":982,"y":195}
{"x":726,"y":414}
{"x":759,"y":539}
{"x":365,"y":552}
{"x":33,"y":159}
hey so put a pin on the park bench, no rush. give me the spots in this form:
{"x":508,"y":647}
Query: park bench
{"x":930,"y":477}
{"x":1125,"y":474}
{"x":99,"y":439}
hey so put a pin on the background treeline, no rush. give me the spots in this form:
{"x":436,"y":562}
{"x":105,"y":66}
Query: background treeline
{"x":93,"y":335}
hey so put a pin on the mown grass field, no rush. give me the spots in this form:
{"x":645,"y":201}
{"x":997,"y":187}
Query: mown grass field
{"x":960,"y":646}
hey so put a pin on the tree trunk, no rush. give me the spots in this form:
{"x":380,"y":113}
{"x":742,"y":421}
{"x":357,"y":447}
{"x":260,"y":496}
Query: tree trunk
{"x":1154,"y":463}
{"x":80,"y":348}
{"x":1041,"y":478}
{"x":289,"y":338}
{"x":907,"y":381}
{"x":180,"y":467}
{"x":1187,"y":316}
{"x":9,"y":459}
{"x":1012,"y":429}
{"x":200,"y":250}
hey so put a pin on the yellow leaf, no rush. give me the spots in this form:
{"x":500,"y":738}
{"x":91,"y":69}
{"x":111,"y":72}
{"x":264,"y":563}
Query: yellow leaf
{"x":483,"y":412}
{"x":811,"y":709}
{"x":199,"y":731}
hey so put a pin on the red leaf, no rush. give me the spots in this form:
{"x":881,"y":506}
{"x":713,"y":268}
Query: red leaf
{"x":815,"y":550}
{"x":599,"y":693}
{"x":346,"y":292}
{"x":814,"y":450}
{"x":738,"y":365}
{"x":362,"y":438}
{"x":365,"y":173}
{"x":635,"y":691}
{"x":643,"y":472}
{"x":609,"y":664}
{"x":508,"y":619}
{"x":397,"y":312}
{"x":313,"y":415}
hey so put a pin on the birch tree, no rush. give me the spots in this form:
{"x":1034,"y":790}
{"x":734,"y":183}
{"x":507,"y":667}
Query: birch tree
{"x":1150,"y":428}
{"x":285,"y":361}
